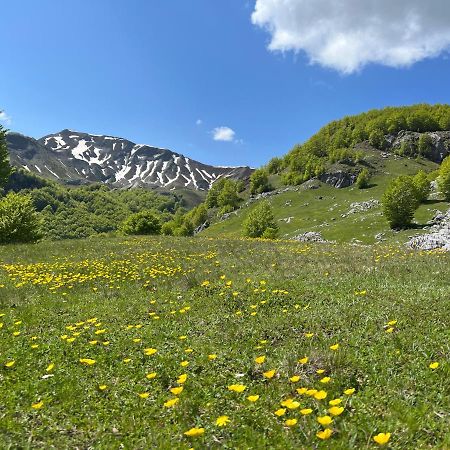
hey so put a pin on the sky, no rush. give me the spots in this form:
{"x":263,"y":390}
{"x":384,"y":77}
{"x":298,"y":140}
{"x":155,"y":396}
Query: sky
{"x":225,"y":82}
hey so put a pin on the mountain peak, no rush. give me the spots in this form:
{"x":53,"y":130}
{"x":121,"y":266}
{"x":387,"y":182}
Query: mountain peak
{"x":75,"y":157}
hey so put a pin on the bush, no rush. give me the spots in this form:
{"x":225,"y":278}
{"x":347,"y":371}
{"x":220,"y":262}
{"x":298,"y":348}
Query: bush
{"x":168,"y":228}
{"x":422,"y":185}
{"x":259,"y":182}
{"x":19,"y":221}
{"x":362,"y":182}
{"x":261,"y":222}
{"x":425,"y":145}
{"x":275,"y":165}
{"x":144,"y":222}
{"x":376,"y":139}
{"x":399,"y":201}
{"x":444,"y":178}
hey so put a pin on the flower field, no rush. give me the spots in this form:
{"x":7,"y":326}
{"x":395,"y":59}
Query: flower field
{"x":202,"y":343}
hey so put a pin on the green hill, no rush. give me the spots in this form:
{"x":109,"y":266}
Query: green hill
{"x":305,"y":198}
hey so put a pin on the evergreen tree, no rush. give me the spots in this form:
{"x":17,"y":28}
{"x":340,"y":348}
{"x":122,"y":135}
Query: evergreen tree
{"x":5,"y":168}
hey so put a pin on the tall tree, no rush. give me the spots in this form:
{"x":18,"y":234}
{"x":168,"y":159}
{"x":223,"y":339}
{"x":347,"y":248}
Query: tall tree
{"x":5,"y":168}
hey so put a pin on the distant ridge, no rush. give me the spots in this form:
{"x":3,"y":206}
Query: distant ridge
{"x":74,"y":157}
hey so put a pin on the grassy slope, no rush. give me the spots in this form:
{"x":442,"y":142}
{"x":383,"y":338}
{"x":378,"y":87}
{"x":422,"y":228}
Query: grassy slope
{"x":343,"y":294}
{"x":310,"y":212}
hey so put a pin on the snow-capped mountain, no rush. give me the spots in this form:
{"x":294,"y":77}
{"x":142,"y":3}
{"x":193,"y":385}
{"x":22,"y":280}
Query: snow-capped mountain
{"x":78,"y":158}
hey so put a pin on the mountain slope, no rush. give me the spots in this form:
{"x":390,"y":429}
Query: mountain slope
{"x":79,"y":158}
{"x":347,"y":214}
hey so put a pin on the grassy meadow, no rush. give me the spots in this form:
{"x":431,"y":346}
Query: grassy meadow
{"x":322,"y":209}
{"x":208,"y":343}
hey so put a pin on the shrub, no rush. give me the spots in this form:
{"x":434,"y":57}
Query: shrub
{"x":259,"y":182}
{"x":444,"y":178}
{"x":275,"y":165}
{"x":422,"y":185}
{"x":362,"y":182}
{"x":168,"y":228}
{"x":400,"y":201}
{"x":261,"y":222}
{"x":19,"y":221}
{"x":425,"y":145}
{"x":376,"y":139}
{"x":144,"y":222}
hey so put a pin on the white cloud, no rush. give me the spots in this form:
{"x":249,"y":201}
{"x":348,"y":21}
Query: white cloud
{"x":223,"y":134}
{"x":346,"y":35}
{"x":5,"y":118}
{"x":198,"y":122}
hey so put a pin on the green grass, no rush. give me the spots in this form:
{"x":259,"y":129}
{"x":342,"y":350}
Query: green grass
{"x":321,"y":209}
{"x":278,"y":292}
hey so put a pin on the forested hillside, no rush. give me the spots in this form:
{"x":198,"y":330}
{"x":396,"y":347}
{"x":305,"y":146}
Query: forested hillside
{"x":337,"y":140}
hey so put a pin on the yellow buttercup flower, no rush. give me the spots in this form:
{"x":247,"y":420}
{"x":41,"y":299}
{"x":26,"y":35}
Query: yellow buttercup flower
{"x":336,"y":410}
{"x":10,"y":364}
{"x":87,"y":361}
{"x":193,"y":432}
{"x":306,"y":411}
{"x":37,"y":405}
{"x":103,"y":387}
{"x":325,"y":380}
{"x":350,"y":391}
{"x":150,"y":351}
{"x":324,"y":434}
{"x":269,"y":374}
{"x":212,"y":356}
{"x":182,"y":379}
{"x":260,"y":359}
{"x":382,"y":438}
{"x":301,"y":390}
{"x":172,"y":402}
{"x":50,"y":367}
{"x":184,"y":363}
{"x":253,"y":398}
{"x":237,"y":387}
{"x":303,"y":360}
{"x":291,"y":422}
{"x":294,"y":379}
{"x":145,"y":395}
{"x":334,"y":347}
{"x":434,"y":365}
{"x":222,"y":421}
{"x":320,"y":395}
{"x":324,"y":420}
{"x":151,"y":375}
{"x":335,"y":402}
{"x":280,"y":412}
{"x":176,"y":390}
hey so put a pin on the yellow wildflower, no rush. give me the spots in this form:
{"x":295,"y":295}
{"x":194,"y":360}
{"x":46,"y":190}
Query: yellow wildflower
{"x":269,"y":374}
{"x":193,"y":432}
{"x":237,"y":387}
{"x":171,"y":402}
{"x":222,"y":421}
{"x":324,"y":434}
{"x":324,"y":420}
{"x":382,"y":438}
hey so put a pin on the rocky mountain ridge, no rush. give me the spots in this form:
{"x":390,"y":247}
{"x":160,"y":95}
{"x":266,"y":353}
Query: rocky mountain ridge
{"x":76,"y":158}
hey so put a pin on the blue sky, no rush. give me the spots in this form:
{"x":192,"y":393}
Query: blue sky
{"x":151,"y":70}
